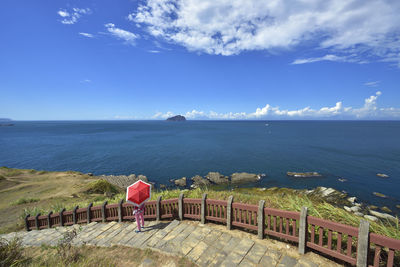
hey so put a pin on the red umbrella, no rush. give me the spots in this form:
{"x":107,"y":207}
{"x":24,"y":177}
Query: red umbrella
{"x":138,"y":192}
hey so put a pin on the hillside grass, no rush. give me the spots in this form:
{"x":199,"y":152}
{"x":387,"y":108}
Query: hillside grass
{"x":57,"y":190}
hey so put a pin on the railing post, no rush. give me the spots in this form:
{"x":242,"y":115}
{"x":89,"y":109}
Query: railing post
{"x":203,"y":208}
{"x":180,"y":206}
{"x":229,"y":213}
{"x":74,"y":217}
{"x":48,"y":219}
{"x":158,"y":211}
{"x":103,"y":211}
{"x":260,"y":219}
{"x":26,"y":222}
{"x":37,"y":221}
{"x":120,"y":210}
{"x":303,"y":230}
{"x":88,"y":213}
{"x":61,"y":217}
{"x":363,"y":244}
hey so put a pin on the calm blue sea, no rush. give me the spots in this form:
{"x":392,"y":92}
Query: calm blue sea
{"x":354,"y":150}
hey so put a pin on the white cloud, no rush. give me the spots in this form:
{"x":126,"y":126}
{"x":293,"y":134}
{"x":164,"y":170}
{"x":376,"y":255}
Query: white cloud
{"x":372,"y":84}
{"x":88,"y":35}
{"x":86,"y":81}
{"x":154,"y":51}
{"x":367,"y":28}
{"x":369,"y":110}
{"x":324,"y":58}
{"x":127,"y":36}
{"x":73,"y":15}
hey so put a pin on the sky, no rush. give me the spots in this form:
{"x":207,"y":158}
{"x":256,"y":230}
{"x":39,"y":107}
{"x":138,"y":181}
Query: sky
{"x":208,"y":59}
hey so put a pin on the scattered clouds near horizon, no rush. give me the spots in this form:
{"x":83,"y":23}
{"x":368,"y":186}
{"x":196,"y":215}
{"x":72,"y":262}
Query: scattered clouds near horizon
{"x":121,"y":34}
{"x":348,"y":30}
{"x":369,"y":110}
{"x":72,"y":16}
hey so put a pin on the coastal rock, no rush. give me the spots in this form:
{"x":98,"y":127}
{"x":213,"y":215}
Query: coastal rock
{"x":355,"y":209}
{"x":177,"y":118}
{"x":303,"y":174}
{"x":217,"y":178}
{"x":342,"y":180}
{"x":347,"y":208}
{"x":89,"y":174}
{"x":398,"y":206}
{"x":382,"y":175}
{"x":352,"y":199}
{"x":330,"y":195}
{"x":373,"y":207}
{"x":359,"y":214}
{"x":383,"y":215}
{"x":180,"y":182}
{"x":244,"y":177}
{"x":371,"y":218}
{"x":199,"y":181}
{"x":379,"y":195}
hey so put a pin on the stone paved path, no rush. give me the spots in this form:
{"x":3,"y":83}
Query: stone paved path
{"x":206,"y":245}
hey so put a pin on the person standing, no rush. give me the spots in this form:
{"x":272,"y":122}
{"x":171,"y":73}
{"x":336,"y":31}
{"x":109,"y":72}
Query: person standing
{"x":138,"y":211}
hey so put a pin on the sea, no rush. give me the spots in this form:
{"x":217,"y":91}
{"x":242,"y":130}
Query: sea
{"x":355,"y":151}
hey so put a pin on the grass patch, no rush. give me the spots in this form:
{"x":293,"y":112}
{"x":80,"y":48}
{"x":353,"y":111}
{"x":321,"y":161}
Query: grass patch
{"x":23,"y":200}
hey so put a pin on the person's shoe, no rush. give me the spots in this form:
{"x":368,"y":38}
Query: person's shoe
{"x":137,"y":231}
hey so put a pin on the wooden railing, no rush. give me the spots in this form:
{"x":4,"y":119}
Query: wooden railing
{"x":355,"y":246}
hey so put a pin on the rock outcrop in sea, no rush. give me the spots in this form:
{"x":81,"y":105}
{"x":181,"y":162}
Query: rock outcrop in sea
{"x":303,"y":174}
{"x":244,"y":177}
{"x":177,"y":118}
{"x":217,"y":178}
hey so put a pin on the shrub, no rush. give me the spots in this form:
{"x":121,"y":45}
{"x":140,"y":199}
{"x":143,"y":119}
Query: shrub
{"x":100,"y":187}
{"x":68,"y":254}
{"x":11,"y":253}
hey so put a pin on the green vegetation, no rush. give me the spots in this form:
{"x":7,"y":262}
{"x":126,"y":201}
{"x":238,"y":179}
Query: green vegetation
{"x":11,"y":253}
{"x":64,"y":254}
{"x":101,"y":187}
{"x":23,"y":200}
{"x":57,"y":190}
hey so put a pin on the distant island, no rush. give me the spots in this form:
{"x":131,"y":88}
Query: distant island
{"x":177,"y":118}
{"x":6,"y":122}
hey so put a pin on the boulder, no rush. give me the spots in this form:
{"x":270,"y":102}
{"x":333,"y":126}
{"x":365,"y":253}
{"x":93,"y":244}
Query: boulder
{"x":199,"y":181}
{"x":352,"y":200}
{"x":303,"y":174}
{"x":180,"y":182}
{"x":359,"y":214}
{"x":355,"y":209}
{"x":398,"y":206}
{"x":342,"y":180}
{"x":383,"y":215}
{"x":347,"y":208}
{"x":244,"y":177}
{"x":217,"y":178}
{"x":371,"y":218}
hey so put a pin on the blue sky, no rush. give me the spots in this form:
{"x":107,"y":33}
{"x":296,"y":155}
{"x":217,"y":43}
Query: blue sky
{"x":210,"y":59}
